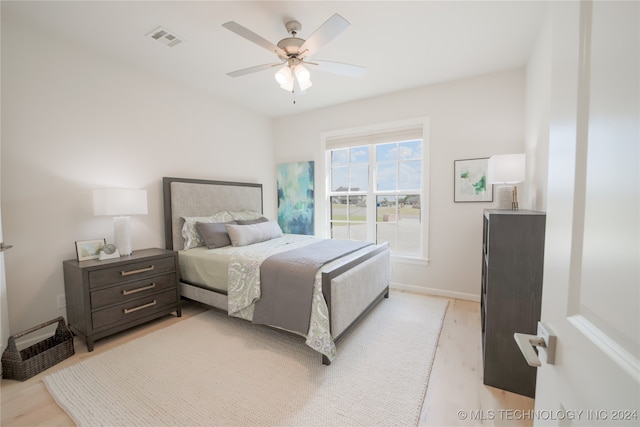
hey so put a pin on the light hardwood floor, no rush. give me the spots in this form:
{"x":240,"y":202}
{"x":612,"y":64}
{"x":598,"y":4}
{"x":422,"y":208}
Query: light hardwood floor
{"x":455,"y":387}
{"x":456,"y":395}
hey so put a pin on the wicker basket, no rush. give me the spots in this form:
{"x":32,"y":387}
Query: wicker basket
{"x":22,"y":365}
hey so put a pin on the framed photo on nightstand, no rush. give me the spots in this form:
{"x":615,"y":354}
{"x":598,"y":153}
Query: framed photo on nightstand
{"x":89,"y":249}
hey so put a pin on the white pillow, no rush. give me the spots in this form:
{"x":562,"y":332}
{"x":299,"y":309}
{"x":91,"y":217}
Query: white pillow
{"x":244,"y":215}
{"x":243,"y":235}
{"x":192,"y":238}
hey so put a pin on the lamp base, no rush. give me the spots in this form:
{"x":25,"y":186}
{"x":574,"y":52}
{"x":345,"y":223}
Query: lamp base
{"x":507,"y":196}
{"x":122,"y":234}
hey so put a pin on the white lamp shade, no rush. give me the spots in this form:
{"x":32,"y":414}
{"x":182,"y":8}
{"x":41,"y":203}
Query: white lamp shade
{"x":302,"y":74}
{"x":304,"y":77}
{"x":284,"y":76}
{"x":506,"y":169}
{"x":119,"y":202}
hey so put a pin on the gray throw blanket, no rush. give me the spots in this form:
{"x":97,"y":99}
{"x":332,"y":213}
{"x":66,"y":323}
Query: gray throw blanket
{"x":286,"y":283}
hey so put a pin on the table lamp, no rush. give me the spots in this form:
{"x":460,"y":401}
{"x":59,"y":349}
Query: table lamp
{"x":120,"y":203}
{"x":506,"y":170}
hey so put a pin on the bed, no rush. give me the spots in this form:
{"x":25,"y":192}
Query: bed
{"x":344,"y":289}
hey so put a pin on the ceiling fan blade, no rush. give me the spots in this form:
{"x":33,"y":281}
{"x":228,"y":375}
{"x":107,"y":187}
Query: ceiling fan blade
{"x":253,"y":69}
{"x":331,"y":29}
{"x":337,"y":68}
{"x":253,"y":37}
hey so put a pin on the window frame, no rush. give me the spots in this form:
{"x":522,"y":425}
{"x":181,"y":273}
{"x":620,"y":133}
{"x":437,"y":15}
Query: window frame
{"x":327,"y":140}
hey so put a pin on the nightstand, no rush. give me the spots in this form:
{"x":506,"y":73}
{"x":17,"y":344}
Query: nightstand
{"x":110,"y":296}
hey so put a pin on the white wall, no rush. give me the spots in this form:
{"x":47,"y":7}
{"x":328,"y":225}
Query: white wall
{"x":538,"y":95}
{"x":73,"y":121}
{"x":470,"y":118}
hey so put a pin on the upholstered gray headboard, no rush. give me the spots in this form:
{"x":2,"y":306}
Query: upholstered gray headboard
{"x":185,"y":197}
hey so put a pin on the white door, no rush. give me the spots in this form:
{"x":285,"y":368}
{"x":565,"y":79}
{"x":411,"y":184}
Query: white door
{"x":591,"y":297}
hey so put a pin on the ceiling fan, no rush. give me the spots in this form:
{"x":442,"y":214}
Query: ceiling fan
{"x":295,"y":53}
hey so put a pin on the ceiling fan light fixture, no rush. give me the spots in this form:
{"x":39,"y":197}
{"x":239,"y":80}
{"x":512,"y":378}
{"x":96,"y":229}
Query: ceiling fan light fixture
{"x":288,"y":86}
{"x":303,"y":77}
{"x":293,"y":51}
{"x":302,"y":74}
{"x":284,"y":76}
{"x":304,"y":85}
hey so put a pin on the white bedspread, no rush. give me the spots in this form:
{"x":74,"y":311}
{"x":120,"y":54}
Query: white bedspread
{"x":243,"y":283}
{"x":244,"y":288}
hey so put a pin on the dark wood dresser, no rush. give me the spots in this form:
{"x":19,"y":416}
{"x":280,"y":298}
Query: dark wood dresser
{"x":105,"y":297}
{"x":512,"y":265}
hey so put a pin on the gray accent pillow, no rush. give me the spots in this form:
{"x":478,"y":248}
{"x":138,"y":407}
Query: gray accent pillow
{"x":251,"y":221}
{"x":214,"y":234}
{"x":243,"y":235}
{"x":191,"y":236}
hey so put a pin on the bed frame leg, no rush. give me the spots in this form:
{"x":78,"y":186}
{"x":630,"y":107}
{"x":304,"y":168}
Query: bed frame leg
{"x":325,"y":360}
{"x":386,"y":294}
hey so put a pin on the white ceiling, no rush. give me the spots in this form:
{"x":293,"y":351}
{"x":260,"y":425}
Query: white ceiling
{"x":402,"y":44}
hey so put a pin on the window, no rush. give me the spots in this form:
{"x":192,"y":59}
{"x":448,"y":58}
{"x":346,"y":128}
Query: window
{"x":376,"y":190}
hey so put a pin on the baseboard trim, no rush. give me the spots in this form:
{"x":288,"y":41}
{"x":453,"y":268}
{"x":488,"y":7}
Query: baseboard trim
{"x":437,"y":292}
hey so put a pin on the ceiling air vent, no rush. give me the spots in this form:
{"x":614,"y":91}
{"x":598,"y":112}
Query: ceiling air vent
{"x":165,"y":37}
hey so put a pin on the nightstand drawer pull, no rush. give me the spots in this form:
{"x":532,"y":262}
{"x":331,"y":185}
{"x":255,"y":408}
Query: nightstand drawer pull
{"x":133,"y":291}
{"x":141,"y":270}
{"x":140,"y":307}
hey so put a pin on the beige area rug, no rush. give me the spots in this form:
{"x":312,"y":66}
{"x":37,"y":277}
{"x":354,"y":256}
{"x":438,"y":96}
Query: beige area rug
{"x":213,"y":370}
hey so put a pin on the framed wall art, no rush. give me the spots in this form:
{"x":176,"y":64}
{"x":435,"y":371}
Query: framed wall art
{"x":470,"y":181}
{"x":89,"y":249}
{"x":295,"y":197}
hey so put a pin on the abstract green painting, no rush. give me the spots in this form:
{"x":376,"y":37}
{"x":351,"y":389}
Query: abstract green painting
{"x":295,"y":197}
{"x":470,"y":181}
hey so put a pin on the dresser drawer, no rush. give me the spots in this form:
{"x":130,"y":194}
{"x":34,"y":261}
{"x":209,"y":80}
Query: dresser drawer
{"x":132,"y":290}
{"x":132,"y":271}
{"x":110,"y":296}
{"x":132,"y":310}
